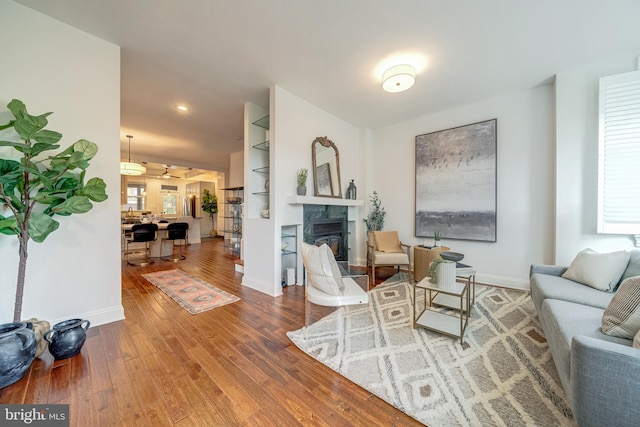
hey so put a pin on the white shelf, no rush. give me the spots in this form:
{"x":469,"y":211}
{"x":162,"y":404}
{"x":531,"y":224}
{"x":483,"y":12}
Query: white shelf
{"x":441,"y":322}
{"x":331,"y":201}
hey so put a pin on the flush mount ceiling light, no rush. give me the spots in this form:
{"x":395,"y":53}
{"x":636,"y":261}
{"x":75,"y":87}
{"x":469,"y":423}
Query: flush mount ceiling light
{"x":128,"y":168}
{"x":398,"y":78}
{"x":182,"y":107}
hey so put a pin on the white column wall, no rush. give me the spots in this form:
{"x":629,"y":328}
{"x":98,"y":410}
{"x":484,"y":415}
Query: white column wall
{"x":54,"y":67}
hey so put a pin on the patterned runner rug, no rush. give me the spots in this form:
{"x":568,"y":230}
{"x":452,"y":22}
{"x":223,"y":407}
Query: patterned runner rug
{"x":193,"y":294}
{"x":502,"y":375}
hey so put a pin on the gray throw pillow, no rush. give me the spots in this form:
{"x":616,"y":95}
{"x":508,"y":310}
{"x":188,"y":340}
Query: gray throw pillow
{"x":622,"y":317}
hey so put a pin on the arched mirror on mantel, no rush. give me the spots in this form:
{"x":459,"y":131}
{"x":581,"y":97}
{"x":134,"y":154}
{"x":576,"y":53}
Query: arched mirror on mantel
{"x":326,"y":168}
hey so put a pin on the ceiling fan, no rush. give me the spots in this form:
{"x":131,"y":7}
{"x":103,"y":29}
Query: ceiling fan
{"x":167,"y":175}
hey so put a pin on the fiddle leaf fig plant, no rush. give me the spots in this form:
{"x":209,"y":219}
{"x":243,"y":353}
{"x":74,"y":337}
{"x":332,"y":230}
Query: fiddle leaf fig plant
{"x":34,"y":186}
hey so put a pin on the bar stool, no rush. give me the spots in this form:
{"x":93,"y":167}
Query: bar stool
{"x":176,"y":231}
{"x":141,"y":233}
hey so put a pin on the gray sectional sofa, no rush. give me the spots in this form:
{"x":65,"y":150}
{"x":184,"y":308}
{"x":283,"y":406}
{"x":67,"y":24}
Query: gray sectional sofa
{"x":599,"y":373}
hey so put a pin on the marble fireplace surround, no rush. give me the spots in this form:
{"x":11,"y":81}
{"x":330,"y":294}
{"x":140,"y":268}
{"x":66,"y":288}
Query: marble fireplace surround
{"x":324,"y":209}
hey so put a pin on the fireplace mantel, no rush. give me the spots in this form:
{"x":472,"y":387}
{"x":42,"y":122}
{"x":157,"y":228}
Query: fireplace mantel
{"x":331,"y":201}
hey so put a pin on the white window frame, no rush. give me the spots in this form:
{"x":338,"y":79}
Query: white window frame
{"x":619,"y":154}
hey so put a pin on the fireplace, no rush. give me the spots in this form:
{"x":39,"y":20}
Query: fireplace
{"x":333,"y":232}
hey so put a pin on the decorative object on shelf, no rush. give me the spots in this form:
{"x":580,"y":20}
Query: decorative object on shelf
{"x":40,"y":327}
{"x":210,"y":205}
{"x":466,"y":159}
{"x":236,"y":228}
{"x":302,"y":182}
{"x":452,"y":256}
{"x":264,"y":213}
{"x":67,"y":338}
{"x":351,"y":191}
{"x":442,"y":272}
{"x":17,"y":351}
{"x":326,"y":167}
{"x":234,"y":199}
{"x":375,"y":219}
{"x":29,"y":198}
{"x":284,"y":245}
{"x":437,"y":236}
{"x":266,"y":185}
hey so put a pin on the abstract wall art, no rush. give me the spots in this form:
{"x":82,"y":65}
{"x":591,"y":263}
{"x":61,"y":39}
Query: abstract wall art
{"x":456,"y":182}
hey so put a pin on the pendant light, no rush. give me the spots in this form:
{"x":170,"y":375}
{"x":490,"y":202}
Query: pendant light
{"x":128,"y":168}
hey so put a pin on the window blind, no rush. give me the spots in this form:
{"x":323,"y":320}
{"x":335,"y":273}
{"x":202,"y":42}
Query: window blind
{"x":619,"y":154}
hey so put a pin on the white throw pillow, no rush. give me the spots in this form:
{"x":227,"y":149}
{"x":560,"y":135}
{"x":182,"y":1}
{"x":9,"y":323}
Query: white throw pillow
{"x":636,"y":341}
{"x":599,"y":271}
{"x":621,"y":318}
{"x":322,"y":269}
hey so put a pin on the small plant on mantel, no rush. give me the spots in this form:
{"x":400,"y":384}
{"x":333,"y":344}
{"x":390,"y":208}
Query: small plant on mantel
{"x":33,"y":190}
{"x":302,"y":181}
{"x":375,"y":219}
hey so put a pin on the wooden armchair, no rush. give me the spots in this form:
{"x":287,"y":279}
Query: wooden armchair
{"x":384,"y":248}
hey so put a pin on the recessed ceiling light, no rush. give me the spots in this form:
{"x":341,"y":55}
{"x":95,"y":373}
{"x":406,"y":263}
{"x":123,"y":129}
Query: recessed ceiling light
{"x":182,"y":107}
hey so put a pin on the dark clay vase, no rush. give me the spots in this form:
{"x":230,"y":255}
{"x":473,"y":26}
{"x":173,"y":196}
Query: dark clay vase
{"x":17,"y":351}
{"x":66,"y":338}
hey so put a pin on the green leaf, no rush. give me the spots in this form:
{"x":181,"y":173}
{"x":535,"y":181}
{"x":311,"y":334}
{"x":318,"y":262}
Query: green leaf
{"x":48,"y":137}
{"x":39,"y":148}
{"x":25,"y":124}
{"x":87,"y":148}
{"x":95,"y":189}
{"x":9,"y":226}
{"x":73,"y":205}
{"x":40,"y":226}
{"x":8,"y":125}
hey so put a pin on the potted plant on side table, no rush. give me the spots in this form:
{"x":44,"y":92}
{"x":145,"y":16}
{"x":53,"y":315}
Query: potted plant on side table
{"x":33,"y":189}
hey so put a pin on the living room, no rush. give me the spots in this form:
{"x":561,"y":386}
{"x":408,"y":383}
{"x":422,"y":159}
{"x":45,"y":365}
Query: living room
{"x":546,"y":179}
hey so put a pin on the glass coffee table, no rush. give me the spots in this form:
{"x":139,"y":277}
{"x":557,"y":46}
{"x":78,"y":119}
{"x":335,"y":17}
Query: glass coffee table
{"x":452,"y":321}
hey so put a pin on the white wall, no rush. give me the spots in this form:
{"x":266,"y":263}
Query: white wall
{"x":236,"y":169}
{"x":525,"y":182}
{"x":295,"y":123}
{"x":577,"y":159}
{"x":54,"y":67}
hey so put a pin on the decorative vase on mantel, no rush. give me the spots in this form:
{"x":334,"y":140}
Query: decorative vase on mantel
{"x":302,"y":190}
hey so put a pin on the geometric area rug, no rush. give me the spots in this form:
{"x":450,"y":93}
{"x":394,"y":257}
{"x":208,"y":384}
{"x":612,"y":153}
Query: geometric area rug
{"x":193,"y":294}
{"x":502,"y":375}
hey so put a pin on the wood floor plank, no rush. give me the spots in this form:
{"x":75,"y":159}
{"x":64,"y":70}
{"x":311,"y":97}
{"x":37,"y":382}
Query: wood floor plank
{"x":231,"y":366}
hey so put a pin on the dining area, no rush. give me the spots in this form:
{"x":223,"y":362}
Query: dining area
{"x":150,"y":239}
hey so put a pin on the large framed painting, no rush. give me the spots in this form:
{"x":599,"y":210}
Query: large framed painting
{"x":456,"y":182}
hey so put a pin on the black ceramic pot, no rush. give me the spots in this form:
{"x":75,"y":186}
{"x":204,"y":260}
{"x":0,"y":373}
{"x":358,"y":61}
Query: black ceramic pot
{"x":67,"y":338}
{"x":17,"y":351}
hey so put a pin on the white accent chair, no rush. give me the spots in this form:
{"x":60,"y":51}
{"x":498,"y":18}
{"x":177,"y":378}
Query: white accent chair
{"x":325,"y":284}
{"x":384,"y":248}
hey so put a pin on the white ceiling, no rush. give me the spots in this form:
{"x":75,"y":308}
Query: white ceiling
{"x":214,"y":55}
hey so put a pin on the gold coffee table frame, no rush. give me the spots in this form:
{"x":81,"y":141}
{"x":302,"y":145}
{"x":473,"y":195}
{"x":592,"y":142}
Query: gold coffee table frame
{"x":449,"y":324}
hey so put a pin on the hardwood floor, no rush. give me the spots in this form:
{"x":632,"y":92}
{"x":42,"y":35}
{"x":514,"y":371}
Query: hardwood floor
{"x":232,"y":365}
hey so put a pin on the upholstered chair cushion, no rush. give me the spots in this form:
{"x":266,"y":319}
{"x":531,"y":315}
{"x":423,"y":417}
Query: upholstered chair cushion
{"x":322,"y":269}
{"x":387,"y":241}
